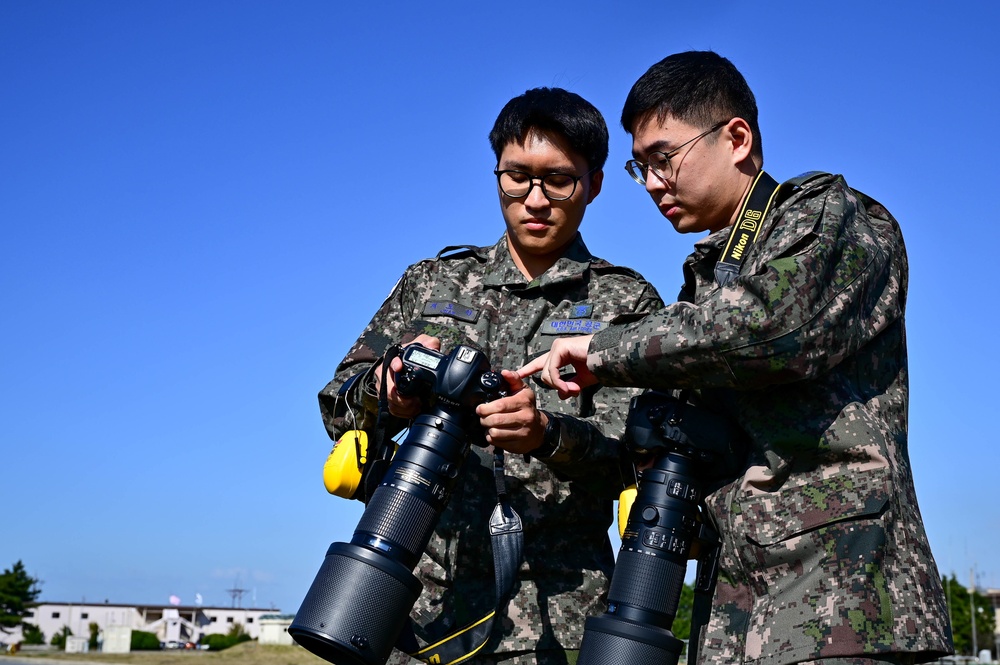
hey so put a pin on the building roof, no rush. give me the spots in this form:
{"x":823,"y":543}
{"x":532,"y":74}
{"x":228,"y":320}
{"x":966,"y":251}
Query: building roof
{"x":159,"y":606}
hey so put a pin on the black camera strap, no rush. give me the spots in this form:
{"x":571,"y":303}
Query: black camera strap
{"x":380,"y":454}
{"x":507,"y":538}
{"x":706,"y":575}
{"x":382,"y":417}
{"x":506,"y":534}
{"x":745,"y":230}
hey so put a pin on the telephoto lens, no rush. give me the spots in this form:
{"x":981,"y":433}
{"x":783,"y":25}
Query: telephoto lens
{"x":692,"y":448}
{"x":649,"y":573}
{"x":362,"y":595}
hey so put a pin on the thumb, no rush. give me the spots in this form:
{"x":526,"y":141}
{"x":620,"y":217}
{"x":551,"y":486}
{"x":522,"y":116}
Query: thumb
{"x":514,"y":381}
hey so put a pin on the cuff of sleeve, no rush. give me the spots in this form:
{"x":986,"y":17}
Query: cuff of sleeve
{"x":611,"y":356}
{"x":608,"y":338}
{"x":366,"y":389}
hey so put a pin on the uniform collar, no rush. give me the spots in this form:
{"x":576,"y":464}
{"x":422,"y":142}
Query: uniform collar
{"x":571,"y":266}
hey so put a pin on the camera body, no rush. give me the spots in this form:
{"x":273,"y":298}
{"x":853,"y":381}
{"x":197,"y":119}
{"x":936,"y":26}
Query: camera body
{"x":460,"y":381}
{"x":691,"y":447}
{"x":363,"y":593}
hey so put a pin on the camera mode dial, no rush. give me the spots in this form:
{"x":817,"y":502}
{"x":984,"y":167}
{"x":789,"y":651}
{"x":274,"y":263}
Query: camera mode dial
{"x":491,"y":381}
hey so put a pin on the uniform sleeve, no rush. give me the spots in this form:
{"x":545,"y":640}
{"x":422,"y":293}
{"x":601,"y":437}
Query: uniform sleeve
{"x":357,"y":407}
{"x":592,"y":441}
{"x":827,"y":281}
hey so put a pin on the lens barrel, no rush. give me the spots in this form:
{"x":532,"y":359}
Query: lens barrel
{"x":610,"y":641}
{"x":356,"y":607}
{"x":649,"y":573}
{"x":362,"y":595}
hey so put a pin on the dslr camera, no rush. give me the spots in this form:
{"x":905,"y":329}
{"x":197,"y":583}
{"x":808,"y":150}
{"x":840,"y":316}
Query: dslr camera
{"x":692,"y":447}
{"x":362,"y":595}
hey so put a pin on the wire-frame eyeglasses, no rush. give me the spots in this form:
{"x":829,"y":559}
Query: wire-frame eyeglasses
{"x":659,"y":162}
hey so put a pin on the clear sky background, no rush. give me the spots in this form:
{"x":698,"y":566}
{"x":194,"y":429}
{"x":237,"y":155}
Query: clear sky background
{"x":203,"y":203}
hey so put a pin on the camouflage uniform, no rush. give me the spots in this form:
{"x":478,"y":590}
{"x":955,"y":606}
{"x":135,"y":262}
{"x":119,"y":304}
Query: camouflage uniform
{"x":824,"y":551}
{"x":565,"y":501}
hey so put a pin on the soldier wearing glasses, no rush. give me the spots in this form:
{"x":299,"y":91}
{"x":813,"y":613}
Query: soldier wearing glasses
{"x":796,"y":333}
{"x":537,"y":283}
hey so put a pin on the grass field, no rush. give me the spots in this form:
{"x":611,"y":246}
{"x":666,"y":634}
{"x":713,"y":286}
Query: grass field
{"x":247,"y":653}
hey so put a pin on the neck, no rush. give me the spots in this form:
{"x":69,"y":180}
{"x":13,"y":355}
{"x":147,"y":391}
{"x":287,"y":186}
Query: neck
{"x":532,"y":265}
{"x":748,"y":171}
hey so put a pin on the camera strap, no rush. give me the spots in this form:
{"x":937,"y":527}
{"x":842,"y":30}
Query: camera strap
{"x":507,"y":538}
{"x":745,"y":230}
{"x":380,"y":453}
{"x":706,"y":575}
{"x":506,"y":534}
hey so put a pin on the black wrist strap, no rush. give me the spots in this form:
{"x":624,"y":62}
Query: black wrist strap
{"x":507,"y":538}
{"x":382,"y":448}
{"x":704,"y":587}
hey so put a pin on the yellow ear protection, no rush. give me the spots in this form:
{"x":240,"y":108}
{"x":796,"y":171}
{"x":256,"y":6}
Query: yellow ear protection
{"x":625,"y":501}
{"x":342,"y":471}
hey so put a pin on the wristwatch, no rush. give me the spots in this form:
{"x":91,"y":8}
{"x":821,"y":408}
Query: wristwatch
{"x":550,"y":439}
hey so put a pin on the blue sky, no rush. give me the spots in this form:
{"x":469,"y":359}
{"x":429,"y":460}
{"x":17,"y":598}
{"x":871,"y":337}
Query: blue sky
{"x":203,"y":203}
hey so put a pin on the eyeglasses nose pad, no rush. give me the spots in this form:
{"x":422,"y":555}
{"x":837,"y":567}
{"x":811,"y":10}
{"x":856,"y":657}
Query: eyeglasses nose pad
{"x":541,"y":198}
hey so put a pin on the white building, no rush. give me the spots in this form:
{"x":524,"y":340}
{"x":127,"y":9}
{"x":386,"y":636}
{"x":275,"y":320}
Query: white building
{"x":274,"y":629}
{"x":181,"y":623}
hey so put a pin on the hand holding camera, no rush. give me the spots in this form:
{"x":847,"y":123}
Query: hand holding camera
{"x":513,"y":423}
{"x":403,"y":406}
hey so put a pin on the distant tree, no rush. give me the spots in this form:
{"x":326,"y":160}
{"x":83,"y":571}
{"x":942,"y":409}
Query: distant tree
{"x":18,"y":592}
{"x":681,"y":628}
{"x":32,"y":634}
{"x":237,"y":634}
{"x":144,"y":641}
{"x":219,"y":642}
{"x":95,"y":630}
{"x":961,"y":617}
{"x":59,"y":639}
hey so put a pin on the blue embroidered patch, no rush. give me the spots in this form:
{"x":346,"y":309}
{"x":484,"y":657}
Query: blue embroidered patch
{"x":571,"y":327}
{"x":581,"y":311}
{"x":452,"y":309}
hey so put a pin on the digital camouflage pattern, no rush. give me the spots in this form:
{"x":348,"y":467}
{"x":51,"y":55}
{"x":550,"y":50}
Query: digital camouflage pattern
{"x":478,"y":295}
{"x":824,"y":550}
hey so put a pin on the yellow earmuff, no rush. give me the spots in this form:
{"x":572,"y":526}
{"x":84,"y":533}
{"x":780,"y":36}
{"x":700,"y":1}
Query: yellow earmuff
{"x":625,"y":501}
{"x":342,"y":471}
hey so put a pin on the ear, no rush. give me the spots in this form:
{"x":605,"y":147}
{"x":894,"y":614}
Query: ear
{"x":741,"y":139}
{"x":596,"y":180}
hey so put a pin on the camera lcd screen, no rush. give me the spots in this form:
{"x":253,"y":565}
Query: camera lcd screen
{"x":423,"y":359}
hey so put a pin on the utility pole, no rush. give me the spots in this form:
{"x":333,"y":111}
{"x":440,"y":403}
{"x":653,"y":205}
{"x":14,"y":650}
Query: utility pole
{"x":237,"y":594}
{"x":972,"y":603}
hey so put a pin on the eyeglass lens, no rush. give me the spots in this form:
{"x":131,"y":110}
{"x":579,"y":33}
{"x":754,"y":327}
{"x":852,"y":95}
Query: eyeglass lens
{"x":659,"y":162}
{"x":556,"y":186}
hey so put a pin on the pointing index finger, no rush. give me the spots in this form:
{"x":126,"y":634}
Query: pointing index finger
{"x":534,"y":366}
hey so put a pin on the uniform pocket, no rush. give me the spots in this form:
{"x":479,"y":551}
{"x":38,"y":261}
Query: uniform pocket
{"x":773,"y":517}
{"x":815,"y":557}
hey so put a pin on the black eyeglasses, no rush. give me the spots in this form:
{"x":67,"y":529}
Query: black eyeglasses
{"x":555,"y":186}
{"x":659,"y":162}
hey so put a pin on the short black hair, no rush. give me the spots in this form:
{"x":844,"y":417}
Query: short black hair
{"x":700,"y":88}
{"x":554,"y":110}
